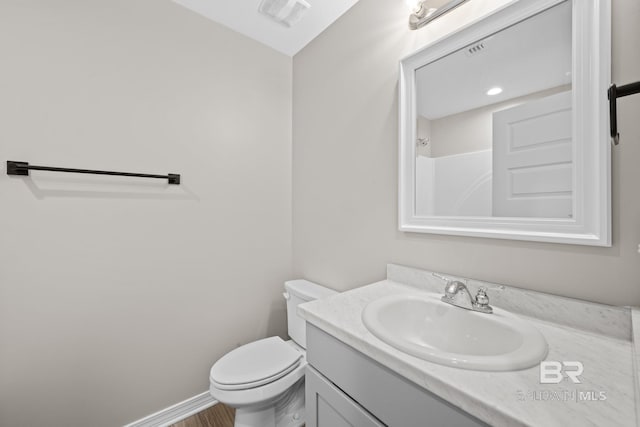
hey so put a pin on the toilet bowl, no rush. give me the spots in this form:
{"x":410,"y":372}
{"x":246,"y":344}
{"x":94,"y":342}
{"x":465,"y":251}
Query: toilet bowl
{"x":264,"y":380}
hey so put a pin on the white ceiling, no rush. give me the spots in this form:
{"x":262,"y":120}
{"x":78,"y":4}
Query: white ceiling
{"x":529,"y":57}
{"x":243,"y":17}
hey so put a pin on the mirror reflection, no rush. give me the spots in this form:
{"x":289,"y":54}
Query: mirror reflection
{"x":494,"y":124}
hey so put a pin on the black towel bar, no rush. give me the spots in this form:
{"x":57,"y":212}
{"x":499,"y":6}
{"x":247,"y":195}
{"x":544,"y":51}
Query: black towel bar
{"x":23,"y":168}
{"x":614,"y":93}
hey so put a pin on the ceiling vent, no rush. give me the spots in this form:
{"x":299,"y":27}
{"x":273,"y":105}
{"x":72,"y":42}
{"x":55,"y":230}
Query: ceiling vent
{"x":285,"y":12}
{"x":478,"y":47}
{"x":475,"y":48}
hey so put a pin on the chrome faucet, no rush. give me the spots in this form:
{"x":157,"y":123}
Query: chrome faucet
{"x":456,"y":293}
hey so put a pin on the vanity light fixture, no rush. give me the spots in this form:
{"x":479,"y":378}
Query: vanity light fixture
{"x":425,"y":11}
{"x":494,"y":91}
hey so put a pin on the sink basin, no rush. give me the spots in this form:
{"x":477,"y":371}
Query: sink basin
{"x":427,"y":328}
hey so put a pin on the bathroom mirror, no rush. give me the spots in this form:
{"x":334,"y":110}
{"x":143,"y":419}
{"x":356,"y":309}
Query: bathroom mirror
{"x":503,"y":127}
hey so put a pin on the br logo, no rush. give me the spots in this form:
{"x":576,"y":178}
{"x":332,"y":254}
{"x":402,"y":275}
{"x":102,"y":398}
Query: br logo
{"x":552,"y":372}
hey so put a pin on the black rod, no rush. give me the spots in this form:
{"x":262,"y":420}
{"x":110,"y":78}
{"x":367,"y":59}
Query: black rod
{"x":23,"y":168}
{"x":630,"y":89}
{"x":614,"y":93}
{"x":613,"y":114}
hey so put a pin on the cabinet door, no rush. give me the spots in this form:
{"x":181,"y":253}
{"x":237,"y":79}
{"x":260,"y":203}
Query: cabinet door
{"x":328,"y":406}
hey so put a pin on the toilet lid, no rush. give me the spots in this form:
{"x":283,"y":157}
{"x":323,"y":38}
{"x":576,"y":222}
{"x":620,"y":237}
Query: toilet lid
{"x":255,"y":364}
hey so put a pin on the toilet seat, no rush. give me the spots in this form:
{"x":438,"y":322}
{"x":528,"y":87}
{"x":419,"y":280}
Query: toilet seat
{"x":261,"y":395}
{"x":255,"y":364}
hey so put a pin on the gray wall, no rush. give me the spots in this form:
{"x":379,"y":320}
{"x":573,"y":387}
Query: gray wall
{"x":472,"y":130}
{"x":116,"y":294}
{"x":345,"y":130}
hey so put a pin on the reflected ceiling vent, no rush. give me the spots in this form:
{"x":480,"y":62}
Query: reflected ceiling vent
{"x":476,"y":48}
{"x":285,"y":12}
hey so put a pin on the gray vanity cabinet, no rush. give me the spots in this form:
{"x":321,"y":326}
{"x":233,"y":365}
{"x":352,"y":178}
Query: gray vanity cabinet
{"x":327,"y":406}
{"x":346,"y":388}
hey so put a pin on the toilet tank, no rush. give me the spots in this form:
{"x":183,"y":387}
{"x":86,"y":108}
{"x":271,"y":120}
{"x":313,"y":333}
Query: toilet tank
{"x":299,"y":292}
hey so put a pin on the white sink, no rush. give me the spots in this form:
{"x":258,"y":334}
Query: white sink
{"x":427,"y":328}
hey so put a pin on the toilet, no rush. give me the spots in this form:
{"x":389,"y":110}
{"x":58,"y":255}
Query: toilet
{"x":264,"y":380}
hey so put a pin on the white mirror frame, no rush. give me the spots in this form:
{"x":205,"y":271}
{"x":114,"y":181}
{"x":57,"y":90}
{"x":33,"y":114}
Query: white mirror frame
{"x":591,"y":224}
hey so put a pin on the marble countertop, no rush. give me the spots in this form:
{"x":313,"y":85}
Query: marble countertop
{"x":513,"y":398}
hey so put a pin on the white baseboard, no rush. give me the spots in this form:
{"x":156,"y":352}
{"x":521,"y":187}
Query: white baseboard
{"x":177,"y":412}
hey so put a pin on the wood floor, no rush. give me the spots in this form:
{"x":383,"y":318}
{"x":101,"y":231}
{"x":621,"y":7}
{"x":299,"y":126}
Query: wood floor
{"x":219,"y":415}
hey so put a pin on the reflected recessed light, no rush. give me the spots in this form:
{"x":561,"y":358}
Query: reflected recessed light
{"x":494,"y":91}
